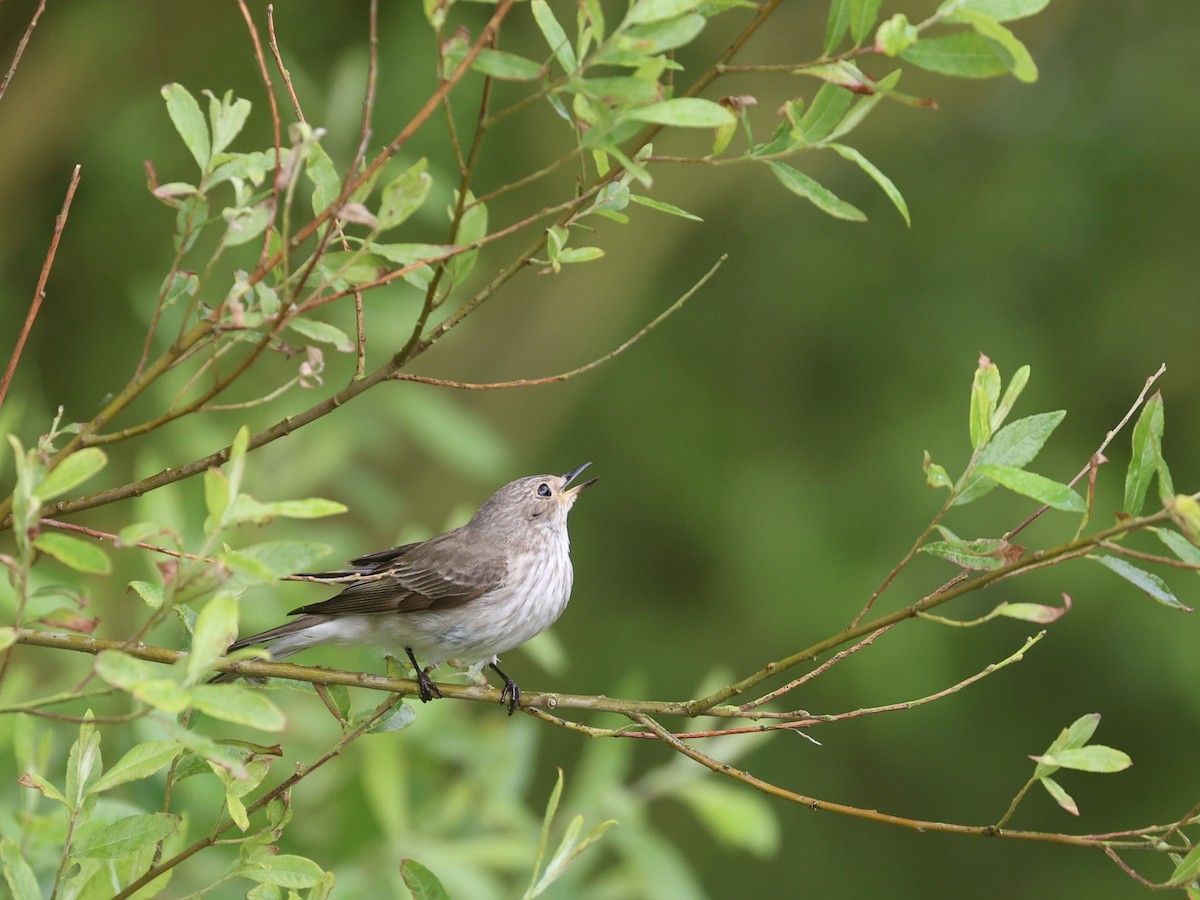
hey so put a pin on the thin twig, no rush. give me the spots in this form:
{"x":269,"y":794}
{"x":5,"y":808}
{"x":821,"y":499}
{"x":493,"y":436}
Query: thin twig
{"x":283,"y":70}
{"x":39,"y":292}
{"x":1108,"y":438}
{"x":37,"y":14}
{"x":564,"y":376}
{"x":276,"y":125}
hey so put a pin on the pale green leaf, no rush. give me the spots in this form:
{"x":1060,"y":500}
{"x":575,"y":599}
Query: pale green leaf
{"x":151,"y":594}
{"x":1015,"y":386}
{"x":863,"y":14}
{"x":216,"y":628}
{"x":404,"y":195}
{"x":553,"y":32}
{"x":824,"y":114}
{"x":124,"y":836}
{"x":246,"y":509}
{"x":663,"y":206}
{"x":1000,"y":10}
{"x":820,"y":196}
{"x":189,"y":122}
{"x":327,"y":184}
{"x":399,"y":718}
{"x":978,"y":555}
{"x":896,"y":35}
{"x":684,"y":112}
{"x":141,"y":761}
{"x":22,"y":883}
{"x":245,"y":223}
{"x":285,"y":870}
{"x":1145,"y":581}
{"x":1016,"y":444}
{"x":73,"y":552}
{"x":284,"y":557}
{"x":40,"y":784}
{"x":1061,"y":797}
{"x":964,"y":55}
{"x":1040,"y":488}
{"x":503,"y":65}
{"x":322,"y":333}
{"x":1020,"y":63}
{"x":1188,"y":869}
{"x":239,"y":704}
{"x":836,"y":24}
{"x":1092,"y":758}
{"x":423,"y":883}
{"x":8,"y":636}
{"x":72,"y":471}
{"x":880,"y":179}
{"x":1144,"y":464}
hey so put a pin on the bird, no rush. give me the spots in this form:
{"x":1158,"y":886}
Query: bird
{"x":469,"y":594}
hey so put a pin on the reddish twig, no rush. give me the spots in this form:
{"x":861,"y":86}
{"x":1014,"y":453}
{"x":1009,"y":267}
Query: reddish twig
{"x":40,"y":292}
{"x":275,"y":122}
{"x":283,"y":71}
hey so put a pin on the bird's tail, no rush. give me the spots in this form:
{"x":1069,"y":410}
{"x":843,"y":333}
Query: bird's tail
{"x":287,"y":639}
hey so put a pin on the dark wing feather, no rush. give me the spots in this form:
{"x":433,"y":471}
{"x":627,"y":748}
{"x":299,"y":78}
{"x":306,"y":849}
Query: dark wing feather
{"x":366,"y":565}
{"x":429,"y":575}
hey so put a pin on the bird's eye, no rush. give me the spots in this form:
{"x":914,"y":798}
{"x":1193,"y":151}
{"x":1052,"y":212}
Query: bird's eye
{"x":543,"y":490}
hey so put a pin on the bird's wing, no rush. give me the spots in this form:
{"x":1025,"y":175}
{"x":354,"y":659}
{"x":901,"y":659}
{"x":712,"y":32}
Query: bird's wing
{"x":366,"y":565}
{"x":413,"y":577}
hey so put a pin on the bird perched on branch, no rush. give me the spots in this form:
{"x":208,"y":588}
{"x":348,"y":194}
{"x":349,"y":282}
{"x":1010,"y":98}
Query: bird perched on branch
{"x":469,"y":594}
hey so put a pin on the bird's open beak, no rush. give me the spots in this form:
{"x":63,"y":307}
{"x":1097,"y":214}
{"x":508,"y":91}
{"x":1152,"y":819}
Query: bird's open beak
{"x":572,"y":475}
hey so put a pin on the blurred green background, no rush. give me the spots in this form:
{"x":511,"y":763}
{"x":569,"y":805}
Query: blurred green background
{"x":759,"y":453}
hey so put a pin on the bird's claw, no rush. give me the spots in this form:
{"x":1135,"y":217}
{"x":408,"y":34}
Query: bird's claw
{"x":427,"y":690}
{"x":510,"y":694}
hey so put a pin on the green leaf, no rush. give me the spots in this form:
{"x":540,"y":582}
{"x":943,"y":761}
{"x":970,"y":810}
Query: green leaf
{"x":40,"y":784}
{"x":322,"y":333}
{"x":663,"y":206}
{"x":141,"y":761}
{"x":246,"y":509}
{"x":216,"y":498}
{"x":1031,"y":612}
{"x":656,"y":10}
{"x":189,"y":122}
{"x":554,"y":34}
{"x":8,"y":637}
{"x":1145,"y":581}
{"x":84,"y":764}
{"x":281,"y":558}
{"x":73,"y":552}
{"x":285,"y":870}
{"x":735,"y":817}
{"x":1000,"y":10}
{"x":547,"y":821}
{"x":684,"y":112}
{"x":1020,"y":63}
{"x":1185,"y":873}
{"x":820,"y":196}
{"x":1015,"y":386}
{"x":824,"y":114}
{"x":1080,"y":731}
{"x":880,"y":179}
{"x":151,"y":594}
{"x":239,"y":704}
{"x":503,"y":65}
{"x":423,"y":883}
{"x":327,"y":184}
{"x":227,"y":115}
{"x":245,"y":223}
{"x":1092,"y":758}
{"x":985,"y":392}
{"x":978,"y":555}
{"x":1179,"y":545}
{"x":836,"y":24}
{"x":1040,"y":488}
{"x":962,"y":55}
{"x":859,"y":111}
{"x":472,"y":227}
{"x":125,"y":836}
{"x":863,"y":14}
{"x":139,"y":679}
{"x":1061,"y":797}
{"x":72,"y":471}
{"x":1147,"y":454}
{"x":399,"y":718}
{"x":404,"y":195}
{"x":22,"y":883}
{"x":641,"y":42}
{"x":896,"y":35}
{"x":1016,"y":444}
{"x":216,"y":628}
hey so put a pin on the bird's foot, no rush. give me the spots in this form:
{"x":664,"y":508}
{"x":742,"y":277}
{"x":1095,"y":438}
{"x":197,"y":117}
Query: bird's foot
{"x":510,"y":694}
{"x":426,"y":689}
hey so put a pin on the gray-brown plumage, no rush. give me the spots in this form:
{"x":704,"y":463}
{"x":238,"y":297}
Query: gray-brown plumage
{"x":469,"y":594}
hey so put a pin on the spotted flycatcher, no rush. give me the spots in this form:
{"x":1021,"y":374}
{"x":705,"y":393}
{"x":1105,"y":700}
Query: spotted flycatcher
{"x":469,"y":594}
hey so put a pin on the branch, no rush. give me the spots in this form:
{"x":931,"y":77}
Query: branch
{"x":39,"y":292}
{"x":921,"y":825}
